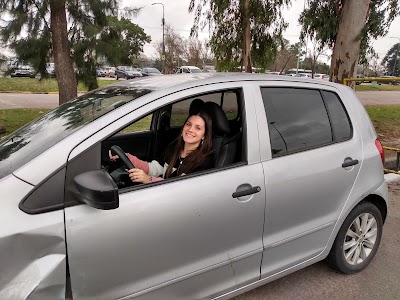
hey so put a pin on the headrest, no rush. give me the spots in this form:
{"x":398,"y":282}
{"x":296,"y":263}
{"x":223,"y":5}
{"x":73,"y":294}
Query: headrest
{"x":195,"y":106}
{"x":220,"y":124}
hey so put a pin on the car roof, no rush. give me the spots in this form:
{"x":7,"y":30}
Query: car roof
{"x":190,"y":67}
{"x":171,"y":80}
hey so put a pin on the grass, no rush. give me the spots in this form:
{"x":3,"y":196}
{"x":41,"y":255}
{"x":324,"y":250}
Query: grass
{"x":39,"y":86}
{"x":387,"y":123}
{"x":13,"y":119}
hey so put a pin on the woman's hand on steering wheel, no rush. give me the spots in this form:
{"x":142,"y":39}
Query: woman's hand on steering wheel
{"x":112,"y":157}
{"x":138,"y":175}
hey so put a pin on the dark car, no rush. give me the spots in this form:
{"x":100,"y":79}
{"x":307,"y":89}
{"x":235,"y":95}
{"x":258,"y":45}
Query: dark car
{"x":360,"y":76}
{"x":389,"y":80}
{"x":150,"y":72}
{"x":127,"y":72}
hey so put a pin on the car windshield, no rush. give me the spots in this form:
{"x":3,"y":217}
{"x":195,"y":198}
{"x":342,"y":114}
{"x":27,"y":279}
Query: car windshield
{"x":195,"y":70}
{"x":33,"y":139}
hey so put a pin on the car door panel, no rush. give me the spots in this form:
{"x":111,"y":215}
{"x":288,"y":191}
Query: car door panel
{"x":163,"y":234}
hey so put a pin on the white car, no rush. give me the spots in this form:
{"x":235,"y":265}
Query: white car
{"x":188,"y":69}
{"x":321,"y":76}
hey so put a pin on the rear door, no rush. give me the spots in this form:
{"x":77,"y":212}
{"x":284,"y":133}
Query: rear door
{"x":185,"y":238}
{"x":309,"y":138}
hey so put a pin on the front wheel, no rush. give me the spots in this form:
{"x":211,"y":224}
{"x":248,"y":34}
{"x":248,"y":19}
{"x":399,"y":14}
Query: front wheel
{"x":358,"y":239}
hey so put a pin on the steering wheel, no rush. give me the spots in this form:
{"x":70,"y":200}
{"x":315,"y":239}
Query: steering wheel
{"x":121,"y":175}
{"x":118,"y":151}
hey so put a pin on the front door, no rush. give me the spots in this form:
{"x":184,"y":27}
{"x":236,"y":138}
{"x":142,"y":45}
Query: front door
{"x":187,"y":238}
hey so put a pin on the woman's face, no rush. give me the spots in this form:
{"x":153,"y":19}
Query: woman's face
{"x":193,"y":131}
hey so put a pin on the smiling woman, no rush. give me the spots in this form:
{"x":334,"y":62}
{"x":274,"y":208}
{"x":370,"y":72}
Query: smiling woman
{"x":190,"y":152}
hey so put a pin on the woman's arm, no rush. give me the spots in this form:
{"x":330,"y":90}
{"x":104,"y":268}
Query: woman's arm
{"x":152,"y":168}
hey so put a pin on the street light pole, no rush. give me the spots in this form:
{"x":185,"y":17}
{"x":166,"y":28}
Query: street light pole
{"x":397,"y":54}
{"x":163,"y":43}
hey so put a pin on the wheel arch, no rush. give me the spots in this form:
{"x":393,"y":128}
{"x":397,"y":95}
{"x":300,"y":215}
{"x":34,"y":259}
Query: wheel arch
{"x":379,"y":202}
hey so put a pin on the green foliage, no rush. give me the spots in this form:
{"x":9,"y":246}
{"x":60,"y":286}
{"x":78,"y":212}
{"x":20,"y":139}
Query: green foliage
{"x":391,"y":58}
{"x":320,"y":20}
{"x":95,"y":32}
{"x":226,"y":19}
{"x":14,"y":119}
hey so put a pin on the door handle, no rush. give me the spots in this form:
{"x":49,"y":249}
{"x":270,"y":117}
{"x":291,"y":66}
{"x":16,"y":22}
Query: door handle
{"x":248,"y":191}
{"x":348,"y":162}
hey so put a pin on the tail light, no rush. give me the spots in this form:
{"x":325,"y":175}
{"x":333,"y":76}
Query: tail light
{"x":381,"y":150}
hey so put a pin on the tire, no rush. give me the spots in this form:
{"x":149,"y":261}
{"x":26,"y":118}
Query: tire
{"x":360,"y":247}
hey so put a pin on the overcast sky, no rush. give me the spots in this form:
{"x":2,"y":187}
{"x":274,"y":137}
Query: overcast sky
{"x":177,"y":15}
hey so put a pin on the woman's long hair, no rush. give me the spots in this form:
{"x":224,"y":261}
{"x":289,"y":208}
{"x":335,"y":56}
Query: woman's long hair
{"x":197,"y":157}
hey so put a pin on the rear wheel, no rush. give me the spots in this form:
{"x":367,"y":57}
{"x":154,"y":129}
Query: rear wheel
{"x":358,"y":239}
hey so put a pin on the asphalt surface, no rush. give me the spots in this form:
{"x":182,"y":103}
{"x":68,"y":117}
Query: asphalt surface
{"x":380,"y":280}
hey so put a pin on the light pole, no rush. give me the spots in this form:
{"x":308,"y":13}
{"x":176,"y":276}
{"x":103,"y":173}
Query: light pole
{"x":163,"y":44}
{"x":397,"y":53}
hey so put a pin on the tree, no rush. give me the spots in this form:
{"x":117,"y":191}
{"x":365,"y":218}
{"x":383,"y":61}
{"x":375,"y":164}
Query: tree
{"x":244,"y":32}
{"x":174,"y":49}
{"x":77,"y":41}
{"x":285,"y":58}
{"x":391,"y":61}
{"x":347,"y":27}
{"x":119,"y":41}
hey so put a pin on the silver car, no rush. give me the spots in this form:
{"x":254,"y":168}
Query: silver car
{"x":298,"y":178}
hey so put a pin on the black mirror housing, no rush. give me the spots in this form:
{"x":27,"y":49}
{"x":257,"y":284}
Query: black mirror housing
{"x":97,"y":189}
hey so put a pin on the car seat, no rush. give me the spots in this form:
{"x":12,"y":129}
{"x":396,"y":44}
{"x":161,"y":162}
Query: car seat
{"x":224,"y":147}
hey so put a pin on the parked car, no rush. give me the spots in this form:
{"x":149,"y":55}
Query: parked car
{"x":297,"y":178}
{"x":150,"y":72}
{"x":51,"y":70}
{"x":188,"y":69}
{"x":389,"y":80}
{"x":209,"y":69}
{"x":361,"y":77}
{"x":321,"y":76}
{"x":100,"y":72}
{"x":23,"y":71}
{"x":127,"y":72}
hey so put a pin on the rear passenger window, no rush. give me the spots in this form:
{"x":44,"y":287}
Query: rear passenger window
{"x":341,"y":126}
{"x":297,"y":119}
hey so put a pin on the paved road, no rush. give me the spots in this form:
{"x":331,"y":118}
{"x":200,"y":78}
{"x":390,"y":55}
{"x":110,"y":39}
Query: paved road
{"x":8,"y":101}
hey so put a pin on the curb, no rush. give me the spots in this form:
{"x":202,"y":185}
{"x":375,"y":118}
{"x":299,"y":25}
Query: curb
{"x":392,"y":178}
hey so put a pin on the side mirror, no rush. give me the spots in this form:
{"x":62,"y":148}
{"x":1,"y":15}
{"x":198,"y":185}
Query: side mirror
{"x":97,"y":189}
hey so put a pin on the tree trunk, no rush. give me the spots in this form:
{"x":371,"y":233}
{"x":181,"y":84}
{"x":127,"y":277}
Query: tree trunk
{"x":347,"y":45}
{"x":246,"y":37}
{"x":65,"y":73}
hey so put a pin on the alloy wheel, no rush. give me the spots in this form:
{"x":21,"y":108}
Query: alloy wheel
{"x":360,"y":239}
